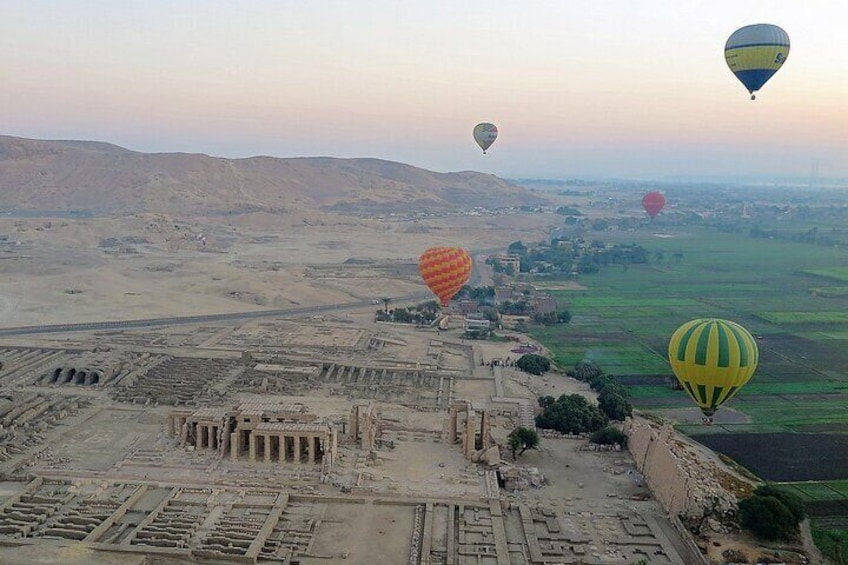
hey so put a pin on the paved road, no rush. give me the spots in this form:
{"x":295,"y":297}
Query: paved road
{"x":201,"y":319}
{"x":208,"y":318}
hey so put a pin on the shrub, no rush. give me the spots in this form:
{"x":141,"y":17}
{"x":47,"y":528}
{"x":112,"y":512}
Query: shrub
{"x":768,"y":518}
{"x":789,"y":499}
{"x":609,"y":436}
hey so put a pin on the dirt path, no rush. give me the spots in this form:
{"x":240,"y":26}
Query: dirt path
{"x":816,"y":558}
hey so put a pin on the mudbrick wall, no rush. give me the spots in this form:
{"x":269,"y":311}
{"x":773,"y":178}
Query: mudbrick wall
{"x":685,"y":482}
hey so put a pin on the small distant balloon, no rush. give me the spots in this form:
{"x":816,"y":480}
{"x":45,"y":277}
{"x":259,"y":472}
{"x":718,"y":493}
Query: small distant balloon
{"x":445,"y":271}
{"x":485,"y":135}
{"x":755,"y":52}
{"x":653,"y":202}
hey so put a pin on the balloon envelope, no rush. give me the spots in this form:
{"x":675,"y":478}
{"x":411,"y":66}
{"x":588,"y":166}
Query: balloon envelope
{"x":445,"y":270}
{"x":712,"y":359}
{"x":653,"y":202}
{"x":485,"y":135}
{"x":755,"y":52}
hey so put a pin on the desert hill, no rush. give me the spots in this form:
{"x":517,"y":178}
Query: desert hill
{"x":96,"y":177}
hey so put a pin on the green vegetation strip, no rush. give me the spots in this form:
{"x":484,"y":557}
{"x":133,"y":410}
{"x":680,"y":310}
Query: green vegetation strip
{"x":833,"y":544}
{"x":788,"y":318}
{"x":816,"y":491}
{"x":834,"y":273}
{"x":830,"y":291}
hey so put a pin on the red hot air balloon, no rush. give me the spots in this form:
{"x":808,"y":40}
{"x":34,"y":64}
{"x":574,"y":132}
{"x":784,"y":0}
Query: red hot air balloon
{"x":653,"y":202}
{"x":445,"y":270}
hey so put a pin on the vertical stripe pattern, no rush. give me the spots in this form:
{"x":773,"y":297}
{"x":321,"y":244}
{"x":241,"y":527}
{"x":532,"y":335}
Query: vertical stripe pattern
{"x":445,"y":270}
{"x":712,"y":359}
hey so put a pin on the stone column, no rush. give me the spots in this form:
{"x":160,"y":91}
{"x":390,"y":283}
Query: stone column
{"x":210,"y":440}
{"x":199,"y":436}
{"x":469,"y":432}
{"x":334,"y":444}
{"x":297,"y":449}
{"x":484,"y":429}
{"x":235,"y":446}
{"x":310,"y":446}
{"x":170,"y":425}
{"x":353,"y":423}
{"x":452,"y":415}
{"x":225,"y":438}
{"x":268,"y":448}
{"x":282,"y":448}
{"x":251,"y":449}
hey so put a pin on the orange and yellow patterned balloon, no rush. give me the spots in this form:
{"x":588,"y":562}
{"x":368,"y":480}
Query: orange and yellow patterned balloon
{"x":445,"y":270}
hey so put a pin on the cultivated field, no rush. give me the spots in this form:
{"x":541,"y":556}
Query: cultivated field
{"x":623,"y":319}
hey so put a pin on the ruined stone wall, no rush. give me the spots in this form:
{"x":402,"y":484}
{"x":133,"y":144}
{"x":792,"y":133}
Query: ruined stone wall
{"x":683,"y":481}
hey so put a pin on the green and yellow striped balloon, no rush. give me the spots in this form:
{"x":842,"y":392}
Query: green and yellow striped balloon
{"x":712,"y":359}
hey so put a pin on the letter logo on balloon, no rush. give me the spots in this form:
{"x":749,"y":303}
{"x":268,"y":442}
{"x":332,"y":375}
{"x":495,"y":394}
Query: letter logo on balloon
{"x":755,"y":52}
{"x":712,"y":359}
{"x":445,"y":271}
{"x":485,"y":135}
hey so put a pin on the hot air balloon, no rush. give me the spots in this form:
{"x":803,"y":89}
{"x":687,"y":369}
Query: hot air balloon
{"x":445,"y":270}
{"x":485,"y":135}
{"x":653,"y":202}
{"x":755,"y":52}
{"x":712,"y":359}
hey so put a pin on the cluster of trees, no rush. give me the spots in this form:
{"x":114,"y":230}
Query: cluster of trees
{"x":570,"y":414}
{"x":772,"y":513}
{"x":575,"y":414}
{"x":523,"y":308}
{"x":422,"y":314}
{"x":812,"y":236}
{"x":482,"y":294}
{"x":533,"y":364}
{"x":552,"y":318}
{"x":613,"y":397}
{"x":478,"y":334}
{"x":555,"y":258}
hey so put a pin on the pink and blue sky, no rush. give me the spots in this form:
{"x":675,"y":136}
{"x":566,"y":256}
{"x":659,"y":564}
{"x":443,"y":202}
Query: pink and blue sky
{"x":578,"y":88}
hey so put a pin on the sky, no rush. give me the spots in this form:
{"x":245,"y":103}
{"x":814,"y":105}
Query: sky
{"x":577,"y":88}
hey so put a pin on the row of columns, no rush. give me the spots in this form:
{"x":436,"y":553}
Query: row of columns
{"x":285,"y":444}
{"x":205,"y":433}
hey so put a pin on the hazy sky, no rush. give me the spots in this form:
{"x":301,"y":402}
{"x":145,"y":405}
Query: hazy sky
{"x":578,"y":88}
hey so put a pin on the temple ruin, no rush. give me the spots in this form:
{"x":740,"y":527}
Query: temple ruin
{"x":261,"y":430}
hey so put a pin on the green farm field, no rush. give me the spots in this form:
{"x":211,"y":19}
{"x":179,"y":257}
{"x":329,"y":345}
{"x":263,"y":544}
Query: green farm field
{"x":623,"y":320}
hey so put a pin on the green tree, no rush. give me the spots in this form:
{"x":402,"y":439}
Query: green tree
{"x":767,"y":518}
{"x":585,"y":370}
{"x":599,"y":381}
{"x":545,"y":401}
{"x":533,"y":364}
{"x":789,"y":499}
{"x":517,"y":247}
{"x":523,"y":439}
{"x":614,"y":404}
